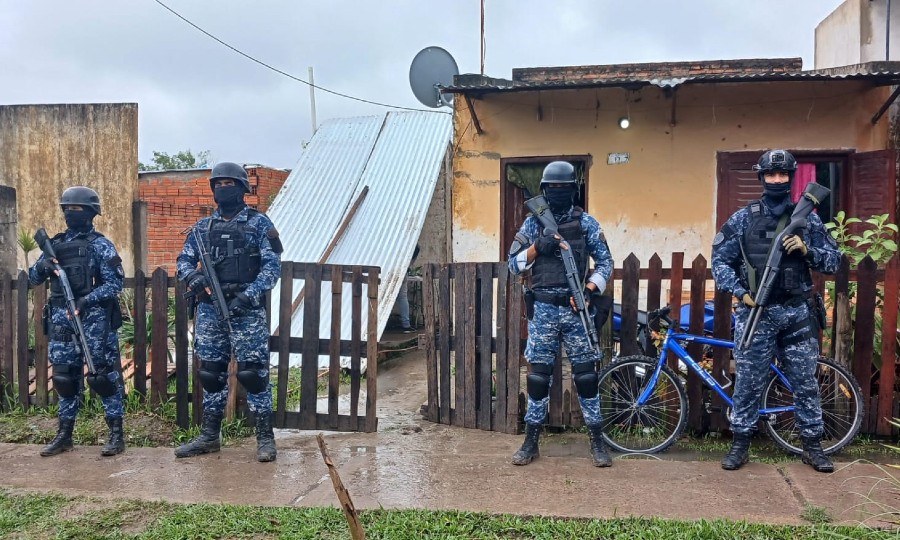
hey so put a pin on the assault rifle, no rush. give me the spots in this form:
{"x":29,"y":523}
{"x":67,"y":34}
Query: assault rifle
{"x":44,"y":242}
{"x":541,"y":210}
{"x":813,"y":195}
{"x":206,"y":266}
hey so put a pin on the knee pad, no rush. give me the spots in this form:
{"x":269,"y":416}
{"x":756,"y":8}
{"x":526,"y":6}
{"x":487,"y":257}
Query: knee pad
{"x":66,"y":379}
{"x":586,"y":379}
{"x":538,"y":381}
{"x":213,"y":375}
{"x":249,"y":376}
{"x":104,"y":382}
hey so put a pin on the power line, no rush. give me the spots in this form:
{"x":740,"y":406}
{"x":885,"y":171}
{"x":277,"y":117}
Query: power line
{"x":288,"y":75}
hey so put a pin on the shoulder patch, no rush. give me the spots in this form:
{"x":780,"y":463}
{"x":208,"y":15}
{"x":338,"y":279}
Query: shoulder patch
{"x":274,"y":240}
{"x":719,"y":238}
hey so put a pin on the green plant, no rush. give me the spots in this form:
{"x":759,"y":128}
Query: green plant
{"x":877,"y":242}
{"x":26,"y":243}
{"x":816,"y":514}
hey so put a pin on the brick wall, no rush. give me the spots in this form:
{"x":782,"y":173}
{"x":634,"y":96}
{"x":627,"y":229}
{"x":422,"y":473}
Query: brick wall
{"x":657,"y":69}
{"x":177,"y":199}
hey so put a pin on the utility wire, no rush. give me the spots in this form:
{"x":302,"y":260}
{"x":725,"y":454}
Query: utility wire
{"x":288,"y":75}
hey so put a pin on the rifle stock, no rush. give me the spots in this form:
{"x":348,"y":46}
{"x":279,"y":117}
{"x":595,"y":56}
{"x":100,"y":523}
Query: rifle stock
{"x":541,"y":211}
{"x":812,"y":196}
{"x":40,"y":236}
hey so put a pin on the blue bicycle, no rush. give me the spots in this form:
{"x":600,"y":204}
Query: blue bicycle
{"x":645,"y":407}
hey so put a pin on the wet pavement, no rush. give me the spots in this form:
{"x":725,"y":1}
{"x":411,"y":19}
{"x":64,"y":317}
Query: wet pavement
{"x":411,"y":463}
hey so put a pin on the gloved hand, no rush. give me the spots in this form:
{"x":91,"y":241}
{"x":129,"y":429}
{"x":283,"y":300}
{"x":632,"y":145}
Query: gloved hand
{"x":81,"y":306}
{"x":748,"y":300}
{"x":794,"y":243}
{"x":45,"y":268}
{"x":240,"y":305}
{"x":587,"y":299}
{"x":547,"y":244}
{"x":197,"y":284}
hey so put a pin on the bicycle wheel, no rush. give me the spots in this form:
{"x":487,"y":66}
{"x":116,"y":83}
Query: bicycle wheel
{"x":842,"y":409}
{"x":651,"y":427}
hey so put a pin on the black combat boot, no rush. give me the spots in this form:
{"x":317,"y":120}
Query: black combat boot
{"x":205,"y":443}
{"x":814,"y":456}
{"x":529,"y":449}
{"x":265,"y":438}
{"x":116,"y":443}
{"x":739,"y":453}
{"x":599,"y":453}
{"x":63,"y":440}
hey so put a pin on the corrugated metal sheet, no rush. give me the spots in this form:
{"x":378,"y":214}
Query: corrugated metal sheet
{"x":878,"y":72}
{"x":398,"y":156}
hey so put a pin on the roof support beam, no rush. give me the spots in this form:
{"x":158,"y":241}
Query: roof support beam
{"x":886,"y":104}
{"x":474,"y":116}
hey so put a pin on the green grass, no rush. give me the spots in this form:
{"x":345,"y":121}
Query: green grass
{"x":55,"y":516}
{"x":816,"y":514}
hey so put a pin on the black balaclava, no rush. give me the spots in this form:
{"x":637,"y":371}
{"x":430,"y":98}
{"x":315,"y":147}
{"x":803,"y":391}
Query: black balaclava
{"x":560,"y":199}
{"x":79,"y":220}
{"x":777,"y":196}
{"x":229,"y":198}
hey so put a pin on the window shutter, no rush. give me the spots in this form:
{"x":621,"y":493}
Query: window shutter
{"x":873,"y":185}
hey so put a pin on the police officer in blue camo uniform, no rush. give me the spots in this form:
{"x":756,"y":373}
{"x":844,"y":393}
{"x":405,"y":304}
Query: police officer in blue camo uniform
{"x":552,"y":314}
{"x":788,"y":328}
{"x":95,"y":273}
{"x":246,"y":252}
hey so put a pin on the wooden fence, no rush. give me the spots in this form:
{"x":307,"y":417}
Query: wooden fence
{"x":148,"y":369}
{"x":475,"y":338}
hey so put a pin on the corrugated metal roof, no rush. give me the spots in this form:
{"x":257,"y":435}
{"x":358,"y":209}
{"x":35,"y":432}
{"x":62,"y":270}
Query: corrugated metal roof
{"x":879,"y":72}
{"x":399,"y":156}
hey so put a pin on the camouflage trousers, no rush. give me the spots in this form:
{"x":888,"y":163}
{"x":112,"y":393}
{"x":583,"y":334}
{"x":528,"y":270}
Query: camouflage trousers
{"x":105,"y":356}
{"x":249,"y":343}
{"x":797,"y":360}
{"x":549,"y":325}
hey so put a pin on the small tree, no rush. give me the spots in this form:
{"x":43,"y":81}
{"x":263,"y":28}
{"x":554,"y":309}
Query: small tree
{"x":185,"y":159}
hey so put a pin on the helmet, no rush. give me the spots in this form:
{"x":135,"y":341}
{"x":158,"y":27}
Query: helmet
{"x":558,"y":172}
{"x":81,"y":196}
{"x":775,"y":160}
{"x":226,"y":169}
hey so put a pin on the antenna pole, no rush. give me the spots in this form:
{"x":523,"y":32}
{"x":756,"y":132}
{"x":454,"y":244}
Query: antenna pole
{"x":482,"y":37}
{"x":312,"y":100}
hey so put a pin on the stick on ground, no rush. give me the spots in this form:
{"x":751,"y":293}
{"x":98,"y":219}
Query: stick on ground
{"x":356,"y":530}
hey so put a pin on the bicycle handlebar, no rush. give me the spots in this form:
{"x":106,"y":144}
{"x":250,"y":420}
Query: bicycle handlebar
{"x":661,"y":313}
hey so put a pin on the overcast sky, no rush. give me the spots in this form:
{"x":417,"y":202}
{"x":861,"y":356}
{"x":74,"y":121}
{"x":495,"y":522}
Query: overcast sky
{"x":194,"y":93}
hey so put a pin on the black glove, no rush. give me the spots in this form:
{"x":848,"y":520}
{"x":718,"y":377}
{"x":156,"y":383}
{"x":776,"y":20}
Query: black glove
{"x":44,"y":268}
{"x":546,"y":245}
{"x":240,"y":305}
{"x":81,"y":306}
{"x":197,"y":284}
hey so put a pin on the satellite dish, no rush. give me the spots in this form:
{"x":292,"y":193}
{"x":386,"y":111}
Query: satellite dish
{"x":431,"y":68}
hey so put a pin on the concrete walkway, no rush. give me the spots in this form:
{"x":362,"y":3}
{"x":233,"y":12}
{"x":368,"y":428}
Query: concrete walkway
{"x":440,"y":468}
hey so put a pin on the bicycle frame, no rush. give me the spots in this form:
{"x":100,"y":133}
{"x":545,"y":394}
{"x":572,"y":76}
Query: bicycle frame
{"x":671,"y":343}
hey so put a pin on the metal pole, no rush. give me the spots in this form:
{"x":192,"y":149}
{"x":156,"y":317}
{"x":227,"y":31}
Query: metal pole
{"x":312,"y":100}
{"x":887,"y":34}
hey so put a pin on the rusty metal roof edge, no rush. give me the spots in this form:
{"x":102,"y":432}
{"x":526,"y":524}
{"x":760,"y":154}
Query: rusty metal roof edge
{"x":883,"y":72}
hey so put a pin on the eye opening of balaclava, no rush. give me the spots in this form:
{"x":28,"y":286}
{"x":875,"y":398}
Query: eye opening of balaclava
{"x":78,"y":219}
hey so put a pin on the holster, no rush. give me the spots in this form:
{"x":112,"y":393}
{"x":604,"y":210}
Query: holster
{"x":817,"y":310}
{"x":601,"y":304}
{"x":528,"y":296}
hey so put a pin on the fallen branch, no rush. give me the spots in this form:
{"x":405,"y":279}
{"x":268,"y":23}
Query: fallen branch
{"x":356,"y":530}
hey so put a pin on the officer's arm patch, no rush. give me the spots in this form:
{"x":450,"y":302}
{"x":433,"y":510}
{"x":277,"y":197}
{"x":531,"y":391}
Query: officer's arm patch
{"x":274,"y":240}
{"x":519,"y":242}
{"x":720,"y":237}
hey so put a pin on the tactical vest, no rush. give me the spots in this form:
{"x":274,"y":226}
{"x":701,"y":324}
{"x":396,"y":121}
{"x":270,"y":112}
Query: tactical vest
{"x":549,"y":271}
{"x":75,"y":258}
{"x":234,"y":258}
{"x":794,"y":278}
